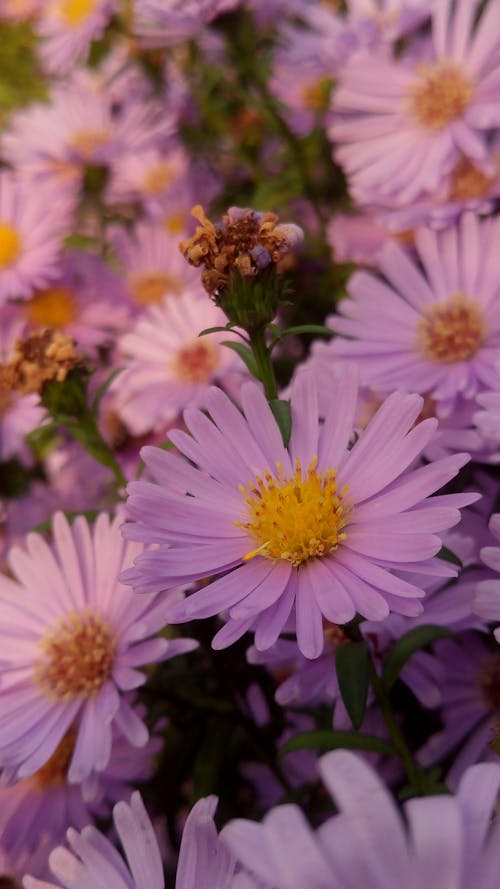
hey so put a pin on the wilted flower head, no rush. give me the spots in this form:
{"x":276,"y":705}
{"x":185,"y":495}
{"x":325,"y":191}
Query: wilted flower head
{"x":244,"y":241}
{"x":42,"y":356}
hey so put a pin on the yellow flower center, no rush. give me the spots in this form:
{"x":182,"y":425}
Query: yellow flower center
{"x":468,"y":182}
{"x":56,"y":768}
{"x":158,"y":178}
{"x":452,"y":330}
{"x":151,"y":288}
{"x":10,"y":245}
{"x":441,"y":95}
{"x":54,"y":307}
{"x":75,"y":12}
{"x":77,"y":657}
{"x":316,"y":94}
{"x":295,"y":519}
{"x":175,"y":223}
{"x":196,"y":362}
{"x":87,"y":142}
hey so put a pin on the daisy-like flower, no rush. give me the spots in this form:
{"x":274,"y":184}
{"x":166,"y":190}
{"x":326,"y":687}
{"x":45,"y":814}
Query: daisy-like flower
{"x":433,"y":329}
{"x":443,"y":841}
{"x":67,"y":28}
{"x":31,"y":231}
{"x":312,"y":525}
{"x":153,"y":267}
{"x":470,"y":702}
{"x":167,"y":365}
{"x":487,"y":600}
{"x":45,"y":805}
{"x":87,"y":302}
{"x":95,"y":862}
{"x":167,"y":22}
{"x":401,"y":124}
{"x":71,"y":639}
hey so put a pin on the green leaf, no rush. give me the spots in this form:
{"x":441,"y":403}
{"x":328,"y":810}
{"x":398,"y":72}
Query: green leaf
{"x":331,"y":740}
{"x":208,"y":330}
{"x":402,"y":650}
{"x":245,"y":354}
{"x":352,"y":662}
{"x":101,"y":392}
{"x":448,"y":556}
{"x":308,"y":328}
{"x":283,"y":416}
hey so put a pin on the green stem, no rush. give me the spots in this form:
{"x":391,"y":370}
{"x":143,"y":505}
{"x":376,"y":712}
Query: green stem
{"x":414,"y":774}
{"x":264,"y":364}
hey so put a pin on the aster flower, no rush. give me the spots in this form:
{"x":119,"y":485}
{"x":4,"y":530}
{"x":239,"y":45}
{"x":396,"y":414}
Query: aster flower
{"x":401,"y":124}
{"x":487,"y":600}
{"x":387,"y":20}
{"x":71,"y":639}
{"x":94,"y":861}
{"x":160,"y":23}
{"x":313,"y":524}
{"x":470,"y":702}
{"x":45,"y":805}
{"x":153,"y":267}
{"x":434,"y":329}
{"x":31,"y":232}
{"x":86,"y":302}
{"x":67,"y":28}
{"x":443,"y":840}
{"x":167,"y":366}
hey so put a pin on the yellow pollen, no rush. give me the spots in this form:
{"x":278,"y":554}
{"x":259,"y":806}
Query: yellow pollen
{"x":55,"y":307}
{"x":56,"y":768}
{"x":10,"y":245}
{"x":75,"y":12}
{"x":316,"y":94}
{"x":441,"y":95}
{"x":77,"y":657}
{"x":87,"y":142}
{"x":467,"y":182}
{"x":158,"y":178}
{"x":175,"y":223}
{"x":295,"y":519}
{"x":153,"y":286}
{"x":196,"y":362}
{"x":451,"y":331}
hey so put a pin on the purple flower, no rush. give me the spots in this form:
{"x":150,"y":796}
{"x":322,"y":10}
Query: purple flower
{"x":71,"y":638}
{"x":467,"y":673}
{"x":314,"y":525}
{"x":487,"y":600}
{"x":436,"y":329}
{"x":401,"y":124}
{"x":167,"y":22}
{"x":67,"y":28}
{"x":94,"y":862}
{"x":443,"y":840}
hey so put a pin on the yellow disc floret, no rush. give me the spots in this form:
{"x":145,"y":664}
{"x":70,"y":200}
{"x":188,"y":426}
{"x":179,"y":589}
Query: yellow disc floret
{"x":55,"y":307}
{"x":77,"y":657}
{"x":10,"y":245}
{"x":295,"y":519}
{"x":441,"y":95}
{"x":452,"y":330}
{"x":75,"y":12}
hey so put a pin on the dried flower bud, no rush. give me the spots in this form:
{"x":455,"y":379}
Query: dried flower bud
{"x":44,"y":355}
{"x":246,"y":241}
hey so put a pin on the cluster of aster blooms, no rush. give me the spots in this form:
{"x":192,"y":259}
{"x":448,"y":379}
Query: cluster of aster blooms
{"x":249,"y":444}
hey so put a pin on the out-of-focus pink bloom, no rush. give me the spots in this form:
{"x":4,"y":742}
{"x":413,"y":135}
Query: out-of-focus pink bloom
{"x":167,"y":365}
{"x":400,"y":124}
{"x":487,"y":600}
{"x":166,"y":22}
{"x":433,"y":324}
{"x":32,"y":225}
{"x":67,"y":28}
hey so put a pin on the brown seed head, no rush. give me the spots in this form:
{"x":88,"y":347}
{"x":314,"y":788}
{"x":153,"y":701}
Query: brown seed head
{"x":44,"y":355}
